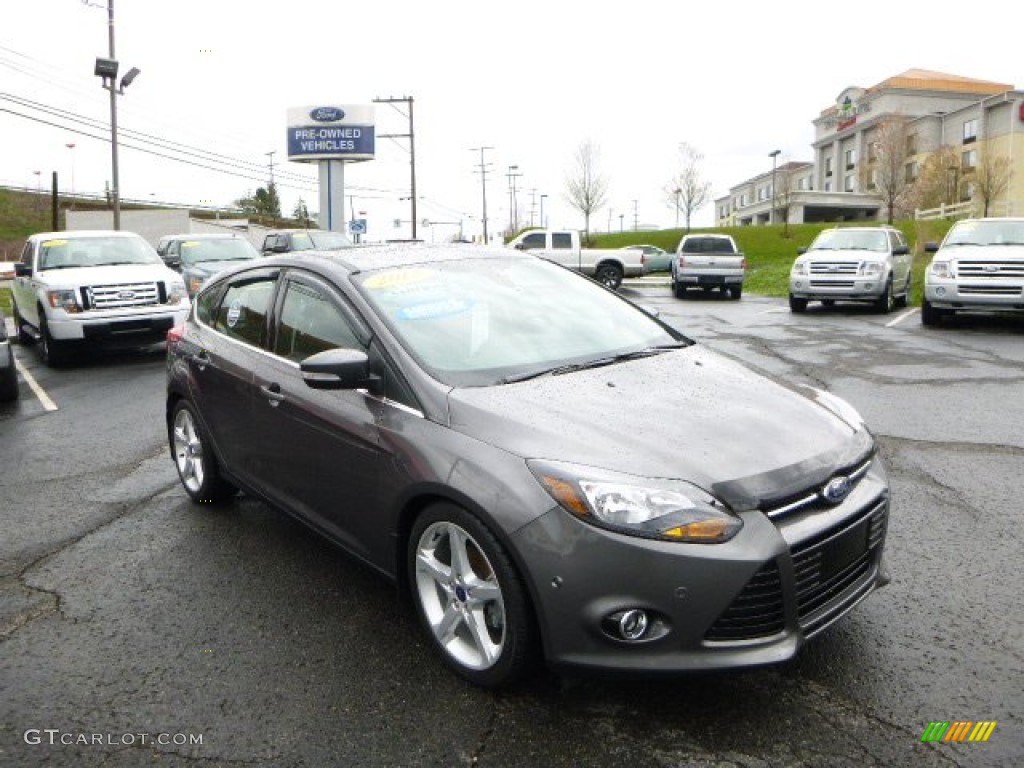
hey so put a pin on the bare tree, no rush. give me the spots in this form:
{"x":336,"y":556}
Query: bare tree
{"x":991,"y":178}
{"x":934,"y":181}
{"x":687,"y":191}
{"x":887,"y":164}
{"x":586,"y":186}
{"x":783,"y":197}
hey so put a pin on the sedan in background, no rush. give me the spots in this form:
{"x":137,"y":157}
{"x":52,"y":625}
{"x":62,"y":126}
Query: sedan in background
{"x":198,"y":257}
{"x":472,"y":423}
{"x":654,"y":259}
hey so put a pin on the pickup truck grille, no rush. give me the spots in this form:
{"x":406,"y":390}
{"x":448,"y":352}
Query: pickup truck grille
{"x":990,"y":269}
{"x":834,"y":267}
{"x":120,"y":296}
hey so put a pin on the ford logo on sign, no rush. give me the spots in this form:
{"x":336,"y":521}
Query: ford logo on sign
{"x":327,"y":114}
{"x":836,"y":489}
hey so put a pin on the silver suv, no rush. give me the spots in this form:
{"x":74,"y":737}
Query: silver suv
{"x":980,"y":266}
{"x":867,"y":264}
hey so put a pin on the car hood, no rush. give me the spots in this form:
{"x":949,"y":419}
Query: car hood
{"x":688,"y":414}
{"x":983,"y":252}
{"x":117,"y":273}
{"x":212,"y":267}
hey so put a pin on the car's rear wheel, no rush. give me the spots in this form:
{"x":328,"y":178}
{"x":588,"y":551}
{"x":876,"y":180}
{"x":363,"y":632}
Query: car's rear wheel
{"x":735,"y":293}
{"x":609,"y":275}
{"x":797,"y":304}
{"x":469,"y":597}
{"x":193,"y":456}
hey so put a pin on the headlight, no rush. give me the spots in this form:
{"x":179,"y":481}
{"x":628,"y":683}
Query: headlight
{"x":175,"y":292}
{"x":800,"y":268}
{"x":671,"y":510}
{"x":871,"y":269}
{"x":65,"y":300}
{"x":942,"y":269}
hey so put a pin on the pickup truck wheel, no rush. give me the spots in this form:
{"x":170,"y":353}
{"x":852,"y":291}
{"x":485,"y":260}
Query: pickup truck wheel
{"x":51,"y":351}
{"x":193,"y":456}
{"x":797,"y":305}
{"x":609,"y":276}
{"x":24,"y":337}
{"x":735,"y":293}
{"x":887,"y":301}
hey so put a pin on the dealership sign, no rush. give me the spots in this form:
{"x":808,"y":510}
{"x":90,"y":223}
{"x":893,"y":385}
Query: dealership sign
{"x":331,"y":132}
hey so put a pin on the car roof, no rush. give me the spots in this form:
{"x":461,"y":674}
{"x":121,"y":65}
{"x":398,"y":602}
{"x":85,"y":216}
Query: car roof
{"x":390,"y":256}
{"x":204,"y":236}
{"x":80,"y":233}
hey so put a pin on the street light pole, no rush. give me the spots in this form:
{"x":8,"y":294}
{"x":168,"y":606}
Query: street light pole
{"x":115,"y":187}
{"x":771,"y":213}
{"x":71,"y":147}
{"x":543,"y":224}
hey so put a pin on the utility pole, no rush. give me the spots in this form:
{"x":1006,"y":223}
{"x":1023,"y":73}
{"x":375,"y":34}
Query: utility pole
{"x":411,"y":136}
{"x":533,"y":204}
{"x":482,"y":170}
{"x":771,"y":213}
{"x":513,"y":212}
{"x":271,"y":156}
{"x":636,"y":216}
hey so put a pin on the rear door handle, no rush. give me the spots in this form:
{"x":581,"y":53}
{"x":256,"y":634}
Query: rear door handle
{"x":273,"y":393}
{"x":200,"y":360}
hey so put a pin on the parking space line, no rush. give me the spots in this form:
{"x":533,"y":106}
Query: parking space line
{"x":901,"y":318}
{"x":40,"y":393}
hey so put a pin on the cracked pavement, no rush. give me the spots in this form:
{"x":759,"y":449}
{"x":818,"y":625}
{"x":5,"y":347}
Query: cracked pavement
{"x":124,"y":609}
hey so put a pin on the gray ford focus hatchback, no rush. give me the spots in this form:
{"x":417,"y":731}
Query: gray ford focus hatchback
{"x":475,"y":425}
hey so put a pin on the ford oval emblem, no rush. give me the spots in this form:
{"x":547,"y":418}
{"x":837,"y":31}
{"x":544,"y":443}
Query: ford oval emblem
{"x":126,"y":295}
{"x":836,"y":489}
{"x":327,"y":114}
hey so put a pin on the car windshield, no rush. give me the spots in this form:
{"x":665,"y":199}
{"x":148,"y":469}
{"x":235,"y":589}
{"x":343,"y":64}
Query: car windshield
{"x":325,"y":241}
{"x":485,"y":321}
{"x":66,"y":253}
{"x":226,"y":249}
{"x":1008,"y":232}
{"x":851,"y":240}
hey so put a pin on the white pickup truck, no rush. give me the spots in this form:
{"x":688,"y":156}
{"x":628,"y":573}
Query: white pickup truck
{"x":93,"y":285}
{"x":606,"y":265}
{"x":707,"y":261}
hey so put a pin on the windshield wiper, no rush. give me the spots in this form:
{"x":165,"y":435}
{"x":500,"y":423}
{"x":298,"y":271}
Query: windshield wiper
{"x":598,"y":362}
{"x":117,"y":263}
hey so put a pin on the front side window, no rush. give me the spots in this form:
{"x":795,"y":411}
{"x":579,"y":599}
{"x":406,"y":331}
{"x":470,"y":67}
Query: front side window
{"x":533,"y":240}
{"x":311,"y":323}
{"x":242,"y":313}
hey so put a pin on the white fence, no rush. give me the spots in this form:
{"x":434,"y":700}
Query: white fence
{"x":971,"y":208}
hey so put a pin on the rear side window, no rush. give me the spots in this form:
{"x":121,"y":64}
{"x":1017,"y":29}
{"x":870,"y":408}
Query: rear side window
{"x":561,"y":240}
{"x":242,"y":313}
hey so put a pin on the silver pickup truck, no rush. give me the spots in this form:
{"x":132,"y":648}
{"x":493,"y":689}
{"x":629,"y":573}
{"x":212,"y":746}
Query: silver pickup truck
{"x":606,"y":265}
{"x":708,"y":261}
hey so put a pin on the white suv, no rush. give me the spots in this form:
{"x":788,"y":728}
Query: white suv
{"x":869,"y":264}
{"x":99,"y":285}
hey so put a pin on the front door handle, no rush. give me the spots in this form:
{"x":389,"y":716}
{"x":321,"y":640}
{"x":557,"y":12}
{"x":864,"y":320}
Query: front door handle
{"x":273,"y":393}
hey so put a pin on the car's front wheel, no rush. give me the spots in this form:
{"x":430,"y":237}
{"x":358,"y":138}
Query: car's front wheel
{"x":194,"y":459}
{"x":51,"y":351}
{"x":797,"y":304}
{"x":930,"y":315}
{"x":469,"y":597}
{"x":887,"y":301}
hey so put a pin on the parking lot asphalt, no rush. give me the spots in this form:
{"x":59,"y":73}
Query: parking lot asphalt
{"x":125,"y":611}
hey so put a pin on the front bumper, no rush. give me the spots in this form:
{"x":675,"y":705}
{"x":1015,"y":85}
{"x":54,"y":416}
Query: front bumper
{"x":848,"y":288}
{"x":985,"y":295}
{"x":753,"y":600}
{"x":128,"y":326}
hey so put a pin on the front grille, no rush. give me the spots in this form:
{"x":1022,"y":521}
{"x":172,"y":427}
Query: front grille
{"x":990,"y":290}
{"x":990,"y":269}
{"x":834,"y":267}
{"x":831,"y":566}
{"x":756,"y":612}
{"x":119,"y":296}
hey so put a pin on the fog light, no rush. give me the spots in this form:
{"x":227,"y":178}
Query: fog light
{"x":632,"y":625}
{"x":940,"y":291}
{"x":798,"y":284}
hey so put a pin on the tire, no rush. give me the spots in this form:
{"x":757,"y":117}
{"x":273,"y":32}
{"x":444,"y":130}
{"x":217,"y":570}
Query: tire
{"x":930,"y":315}
{"x":24,"y":337}
{"x":193,"y":456}
{"x":469,"y":598}
{"x":735,"y":293}
{"x":678,"y":289}
{"x":609,"y":275}
{"x":887,"y":301}
{"x":797,"y":305}
{"x":51,"y":351}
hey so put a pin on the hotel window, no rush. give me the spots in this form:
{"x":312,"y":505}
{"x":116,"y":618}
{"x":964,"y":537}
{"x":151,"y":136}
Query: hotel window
{"x":828,"y":166}
{"x":851,"y":159}
{"x":911,"y":172}
{"x":872,"y":151}
{"x":848,"y":182}
{"x":969,"y":159}
{"x":828,"y":186}
{"x":802,"y":184}
{"x":912,"y":144}
{"x":873,"y":179}
{"x":970,"y":131}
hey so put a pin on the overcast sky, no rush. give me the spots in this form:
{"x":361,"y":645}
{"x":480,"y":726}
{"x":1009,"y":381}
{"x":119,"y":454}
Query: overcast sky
{"x":531,"y":79}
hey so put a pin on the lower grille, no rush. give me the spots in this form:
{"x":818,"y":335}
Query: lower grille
{"x":832,"y":283}
{"x":756,"y":612}
{"x":830,"y":567}
{"x":989,"y":290}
